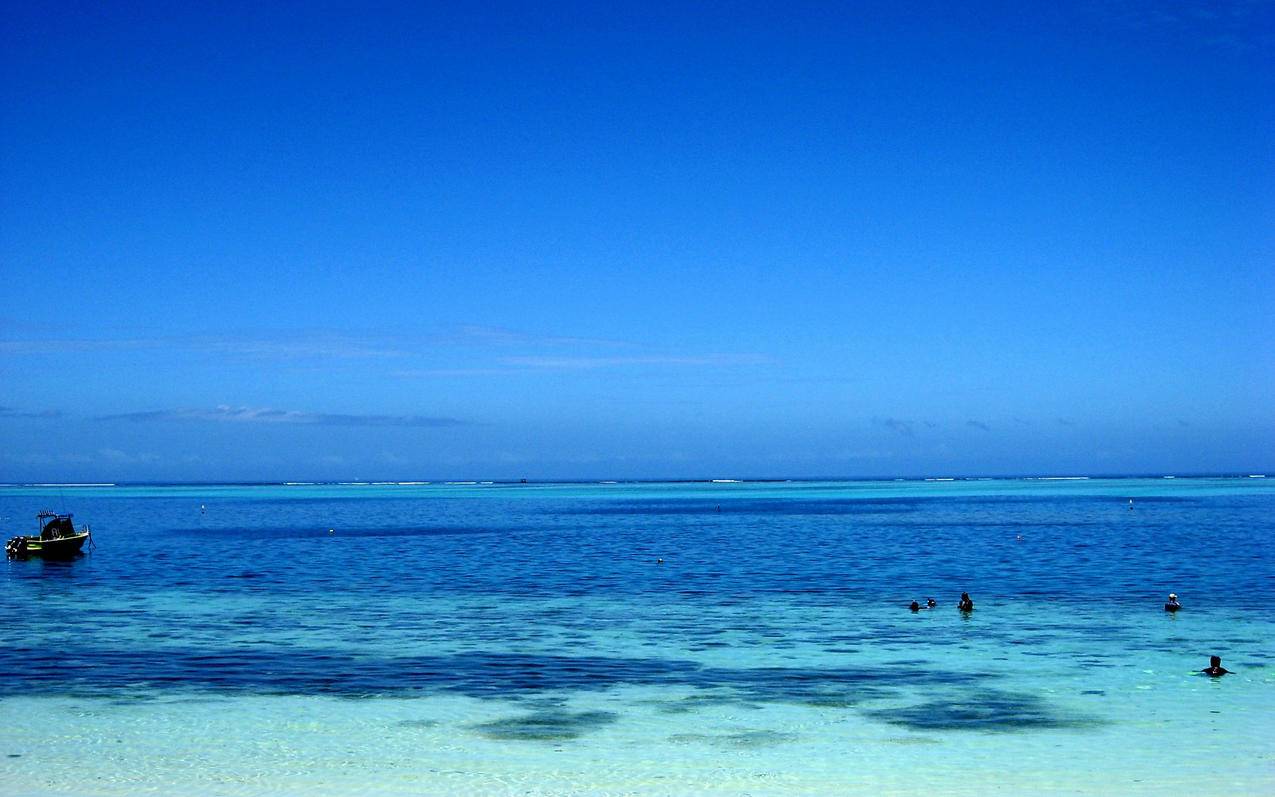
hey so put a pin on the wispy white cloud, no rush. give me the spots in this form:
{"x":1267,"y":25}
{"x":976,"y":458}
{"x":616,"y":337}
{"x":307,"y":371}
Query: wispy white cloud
{"x":1238,"y":26}
{"x":462,"y":350}
{"x":482,"y":335}
{"x":249,"y":415}
{"x":10,"y":412}
{"x":284,"y":345}
{"x":118,"y":457}
{"x":71,"y":345}
{"x":514,"y":365}
{"x":317,"y":343}
{"x":558,"y":363}
{"x":442,"y":373}
{"x":45,"y":459}
{"x":899,"y":425}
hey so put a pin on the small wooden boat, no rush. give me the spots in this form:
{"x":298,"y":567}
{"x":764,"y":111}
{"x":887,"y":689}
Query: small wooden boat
{"x":58,"y":539}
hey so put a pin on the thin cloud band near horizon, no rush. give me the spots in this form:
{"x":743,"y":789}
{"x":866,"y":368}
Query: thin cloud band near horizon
{"x":227,"y":414}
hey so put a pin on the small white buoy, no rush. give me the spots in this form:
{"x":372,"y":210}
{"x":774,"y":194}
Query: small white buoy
{"x":659,"y":561}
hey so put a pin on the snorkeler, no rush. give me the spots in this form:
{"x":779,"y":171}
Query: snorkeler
{"x":1215,"y":667}
{"x":1172,"y":605}
{"x":930,"y":603}
{"x":966,"y":605}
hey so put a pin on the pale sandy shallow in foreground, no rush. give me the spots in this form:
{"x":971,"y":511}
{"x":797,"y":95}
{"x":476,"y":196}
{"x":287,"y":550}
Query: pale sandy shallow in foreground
{"x":432,"y":746}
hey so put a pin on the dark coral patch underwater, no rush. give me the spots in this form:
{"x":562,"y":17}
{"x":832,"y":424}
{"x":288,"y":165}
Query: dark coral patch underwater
{"x":545,"y":726}
{"x":740,"y":740}
{"x":983,"y":710}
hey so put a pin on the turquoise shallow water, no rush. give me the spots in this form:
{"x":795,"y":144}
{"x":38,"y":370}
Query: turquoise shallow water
{"x":523,"y":639}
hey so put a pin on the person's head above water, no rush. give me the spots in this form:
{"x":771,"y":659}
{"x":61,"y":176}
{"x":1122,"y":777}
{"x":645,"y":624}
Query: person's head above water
{"x":931,"y":602}
{"x":1215,"y":661}
{"x":916,"y":607}
{"x":1215,"y":667}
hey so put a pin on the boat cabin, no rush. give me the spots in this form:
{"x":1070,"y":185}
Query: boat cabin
{"x":54,"y":526}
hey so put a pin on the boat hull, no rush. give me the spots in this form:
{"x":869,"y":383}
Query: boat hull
{"x":60,"y":548}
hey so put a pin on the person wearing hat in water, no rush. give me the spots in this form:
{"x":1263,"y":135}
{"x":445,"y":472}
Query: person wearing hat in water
{"x":1215,"y":667}
{"x":1172,"y":605}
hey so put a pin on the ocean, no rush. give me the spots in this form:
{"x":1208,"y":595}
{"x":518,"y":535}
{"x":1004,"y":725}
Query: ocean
{"x":644,"y":638}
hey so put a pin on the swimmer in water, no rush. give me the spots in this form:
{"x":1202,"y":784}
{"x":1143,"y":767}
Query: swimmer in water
{"x":966,"y":605}
{"x":930,"y":603}
{"x":1215,"y":667}
{"x":916,"y":607}
{"x":1172,"y":605}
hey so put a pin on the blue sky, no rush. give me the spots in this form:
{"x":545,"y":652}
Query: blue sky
{"x":566,"y":241}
